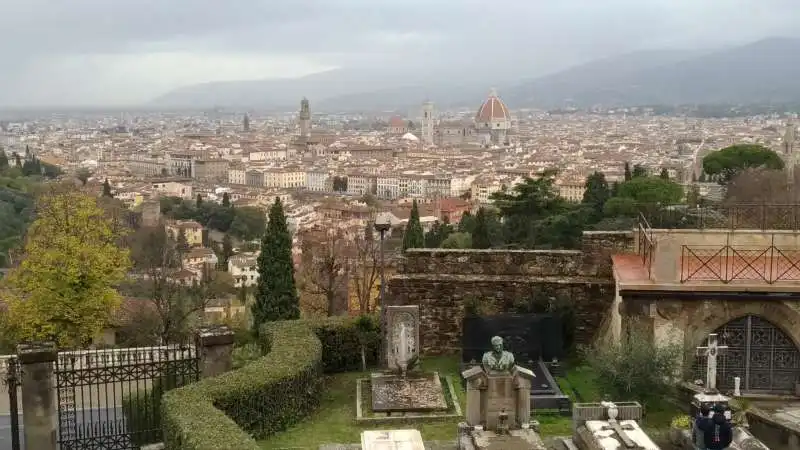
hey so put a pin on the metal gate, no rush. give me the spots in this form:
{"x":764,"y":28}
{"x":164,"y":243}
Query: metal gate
{"x":12,"y":381}
{"x":758,"y":352}
{"x":110,"y":399}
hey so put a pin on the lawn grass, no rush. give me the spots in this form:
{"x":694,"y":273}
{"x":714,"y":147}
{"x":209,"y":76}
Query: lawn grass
{"x":334,"y":421}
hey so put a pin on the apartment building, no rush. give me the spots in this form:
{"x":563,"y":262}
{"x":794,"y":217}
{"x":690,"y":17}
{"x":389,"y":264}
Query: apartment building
{"x":244,"y":269}
{"x":318,"y":181}
{"x":174,"y":189}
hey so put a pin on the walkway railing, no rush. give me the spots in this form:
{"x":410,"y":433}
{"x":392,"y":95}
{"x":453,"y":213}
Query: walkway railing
{"x":734,"y":217}
{"x":113,"y":357}
{"x":646,"y":243}
{"x":727,"y":263}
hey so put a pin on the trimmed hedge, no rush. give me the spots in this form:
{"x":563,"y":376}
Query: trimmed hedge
{"x":269,"y":394}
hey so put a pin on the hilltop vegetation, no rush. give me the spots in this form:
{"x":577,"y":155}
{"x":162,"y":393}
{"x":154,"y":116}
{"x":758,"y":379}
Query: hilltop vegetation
{"x":19,"y":178}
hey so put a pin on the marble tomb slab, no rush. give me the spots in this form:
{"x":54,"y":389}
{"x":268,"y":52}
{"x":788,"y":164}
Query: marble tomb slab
{"x":392,"y":440}
{"x":412,"y":394}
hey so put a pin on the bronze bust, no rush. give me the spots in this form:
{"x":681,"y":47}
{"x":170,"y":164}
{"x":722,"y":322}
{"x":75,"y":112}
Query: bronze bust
{"x":498,"y":360}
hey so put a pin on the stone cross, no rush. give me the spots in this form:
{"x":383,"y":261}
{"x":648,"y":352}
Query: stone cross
{"x":711,"y":351}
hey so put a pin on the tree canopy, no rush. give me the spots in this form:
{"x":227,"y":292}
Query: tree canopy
{"x":276,"y":296}
{"x":414,"y":236}
{"x":725,"y":164}
{"x":64,"y":288}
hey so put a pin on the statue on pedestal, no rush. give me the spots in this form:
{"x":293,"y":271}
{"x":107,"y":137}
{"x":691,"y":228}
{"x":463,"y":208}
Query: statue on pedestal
{"x":498,"y":360}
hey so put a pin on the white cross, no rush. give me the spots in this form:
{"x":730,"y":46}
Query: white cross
{"x":711,"y":351}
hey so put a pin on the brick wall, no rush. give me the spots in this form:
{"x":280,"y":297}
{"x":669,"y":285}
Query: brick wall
{"x":444,"y":282}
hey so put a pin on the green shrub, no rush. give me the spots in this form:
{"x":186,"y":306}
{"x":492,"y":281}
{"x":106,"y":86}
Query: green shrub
{"x":342,"y":339}
{"x":259,"y":399}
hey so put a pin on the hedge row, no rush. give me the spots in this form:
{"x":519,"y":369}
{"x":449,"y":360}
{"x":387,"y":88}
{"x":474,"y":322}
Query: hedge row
{"x":269,"y":394}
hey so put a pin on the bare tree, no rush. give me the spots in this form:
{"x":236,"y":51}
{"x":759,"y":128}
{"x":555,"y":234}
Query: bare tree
{"x":156,"y":261}
{"x":324,"y":271}
{"x":364,"y":269}
{"x":761,"y":186}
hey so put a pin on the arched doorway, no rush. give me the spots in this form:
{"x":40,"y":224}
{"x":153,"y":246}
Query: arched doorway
{"x":761,"y":354}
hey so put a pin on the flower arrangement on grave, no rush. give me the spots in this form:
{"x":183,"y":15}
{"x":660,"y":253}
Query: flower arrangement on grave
{"x":681,"y":422}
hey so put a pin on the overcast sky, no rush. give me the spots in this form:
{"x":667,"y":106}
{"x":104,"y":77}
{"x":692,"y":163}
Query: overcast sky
{"x":125,"y":52}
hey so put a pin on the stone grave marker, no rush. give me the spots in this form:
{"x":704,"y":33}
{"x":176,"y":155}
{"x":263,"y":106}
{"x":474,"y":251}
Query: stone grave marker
{"x":392,"y":440}
{"x":399,"y":391}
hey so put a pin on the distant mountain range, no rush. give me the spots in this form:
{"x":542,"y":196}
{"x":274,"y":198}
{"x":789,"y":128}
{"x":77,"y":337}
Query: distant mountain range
{"x":760,"y":72}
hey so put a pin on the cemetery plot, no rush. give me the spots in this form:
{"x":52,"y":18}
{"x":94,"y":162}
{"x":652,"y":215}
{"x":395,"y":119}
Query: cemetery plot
{"x":386,"y":400}
{"x":533,"y":339}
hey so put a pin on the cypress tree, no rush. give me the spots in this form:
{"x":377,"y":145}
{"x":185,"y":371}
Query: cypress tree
{"x":480,"y":237}
{"x":226,"y":199}
{"x":664,"y":173}
{"x":17,"y":160}
{"x":107,"y":189}
{"x":3,"y":160}
{"x":276,"y":295}
{"x":199,"y":201}
{"x":414,"y":236}
{"x":628,"y":174}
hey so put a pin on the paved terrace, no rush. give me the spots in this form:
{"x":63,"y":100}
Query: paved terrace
{"x":711,"y":260}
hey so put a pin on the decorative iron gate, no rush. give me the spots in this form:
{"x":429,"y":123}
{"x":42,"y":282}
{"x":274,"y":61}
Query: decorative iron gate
{"x":12,"y":372}
{"x":758,"y":352}
{"x":110,"y":399}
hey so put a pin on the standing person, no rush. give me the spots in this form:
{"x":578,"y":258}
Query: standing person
{"x":697,"y":428}
{"x":717,"y":432}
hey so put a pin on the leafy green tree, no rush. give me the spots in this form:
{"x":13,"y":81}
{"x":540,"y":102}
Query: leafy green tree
{"x":526,"y":207}
{"x":414,"y":236}
{"x":438,"y":233}
{"x":628,"y":174}
{"x":63,"y":290}
{"x":664,"y":174}
{"x":276,"y":295}
{"x":249,"y":223}
{"x":725,"y":164}
{"x":639,"y":171}
{"x":107,"y":189}
{"x":458,"y":240}
{"x":636,"y":368}
{"x":227,"y":250}
{"x":645,"y":194}
{"x":480,"y":236}
{"x":467,"y":223}
{"x":597,"y":193}
{"x":226,"y":200}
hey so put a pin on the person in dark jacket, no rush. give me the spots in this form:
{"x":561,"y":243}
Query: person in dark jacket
{"x":717,"y":432}
{"x":697,"y":433}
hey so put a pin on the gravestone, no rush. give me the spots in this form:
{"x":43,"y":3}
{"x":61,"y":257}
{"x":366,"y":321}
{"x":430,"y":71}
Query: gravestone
{"x":498,"y":404}
{"x":398,"y":391}
{"x":392,"y":440}
{"x":399,"y":318}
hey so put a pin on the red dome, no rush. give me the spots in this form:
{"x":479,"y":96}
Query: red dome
{"x":492,"y":109}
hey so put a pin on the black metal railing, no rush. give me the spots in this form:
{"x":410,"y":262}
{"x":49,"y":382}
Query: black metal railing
{"x":110,"y":399}
{"x":728,"y":263}
{"x":646,"y":243}
{"x":735,"y":217}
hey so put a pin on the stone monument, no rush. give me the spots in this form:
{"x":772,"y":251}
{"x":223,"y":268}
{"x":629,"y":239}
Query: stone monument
{"x":403,"y":389}
{"x":605,"y":425}
{"x":498,"y":404}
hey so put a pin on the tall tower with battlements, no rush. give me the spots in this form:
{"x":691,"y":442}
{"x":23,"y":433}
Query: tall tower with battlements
{"x":427,"y":123}
{"x":305,"y":119}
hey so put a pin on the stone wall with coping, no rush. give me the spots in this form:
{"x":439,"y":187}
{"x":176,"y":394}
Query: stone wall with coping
{"x":445,"y":283}
{"x":774,"y":433}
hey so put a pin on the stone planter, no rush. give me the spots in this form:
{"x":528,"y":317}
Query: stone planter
{"x":677,"y":437}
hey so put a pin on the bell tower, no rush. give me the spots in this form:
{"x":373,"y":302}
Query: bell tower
{"x":427,"y":123}
{"x":305,"y":119}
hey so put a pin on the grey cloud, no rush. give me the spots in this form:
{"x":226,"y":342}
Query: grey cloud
{"x":520,"y":38}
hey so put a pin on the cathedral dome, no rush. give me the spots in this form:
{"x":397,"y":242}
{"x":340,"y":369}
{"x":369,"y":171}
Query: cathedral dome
{"x":493,"y":110}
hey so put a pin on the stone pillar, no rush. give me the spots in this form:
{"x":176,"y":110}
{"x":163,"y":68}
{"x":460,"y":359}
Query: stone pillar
{"x":39,"y":409}
{"x":523,"y":378}
{"x":215,"y":345}
{"x":476,"y":383}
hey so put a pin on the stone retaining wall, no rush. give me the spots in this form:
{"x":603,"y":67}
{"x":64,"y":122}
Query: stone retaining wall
{"x":774,"y":433}
{"x":444,"y":283}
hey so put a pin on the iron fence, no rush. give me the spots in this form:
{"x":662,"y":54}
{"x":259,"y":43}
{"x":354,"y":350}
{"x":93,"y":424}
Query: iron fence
{"x":728,"y":263}
{"x":735,"y":217}
{"x":110,"y":399}
{"x":646,"y":243}
{"x":12,"y":374}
